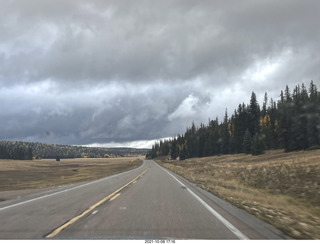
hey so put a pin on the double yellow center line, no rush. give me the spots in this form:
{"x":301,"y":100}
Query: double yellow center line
{"x":111,"y":196}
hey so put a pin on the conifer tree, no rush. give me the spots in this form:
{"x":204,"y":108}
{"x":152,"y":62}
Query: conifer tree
{"x":264,"y":106}
{"x":174,"y":149}
{"x":273,"y":114}
{"x":247,"y":142}
{"x":292,"y":124}
{"x":254,"y":112}
{"x":257,"y":144}
{"x":225,"y":146}
{"x":314,"y":115}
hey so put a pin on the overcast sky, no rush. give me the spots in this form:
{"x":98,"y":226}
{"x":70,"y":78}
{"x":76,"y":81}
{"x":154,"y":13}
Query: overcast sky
{"x":124,"y":73}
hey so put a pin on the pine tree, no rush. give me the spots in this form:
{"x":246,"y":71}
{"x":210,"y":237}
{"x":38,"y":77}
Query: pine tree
{"x":254,"y":112}
{"x":214,"y":137}
{"x":174,"y":149}
{"x":257,"y":144}
{"x":292,"y":124}
{"x":225,"y":144}
{"x":273,"y":114}
{"x":313,"y":93}
{"x":183,"y":152}
{"x":313,"y":113}
{"x":247,"y":142}
{"x":287,"y":95}
{"x":201,"y":139}
{"x":264,"y":106}
{"x":286,"y":113}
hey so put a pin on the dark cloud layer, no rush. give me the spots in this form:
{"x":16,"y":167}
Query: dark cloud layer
{"x":82,"y":72}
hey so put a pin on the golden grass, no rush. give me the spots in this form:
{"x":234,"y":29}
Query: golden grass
{"x":35,"y":174}
{"x":280,"y":188}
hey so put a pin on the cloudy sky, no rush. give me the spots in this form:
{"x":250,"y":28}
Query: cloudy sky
{"x":124,"y":73}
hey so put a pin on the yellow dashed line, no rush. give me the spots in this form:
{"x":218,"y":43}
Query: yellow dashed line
{"x":112,"y":196}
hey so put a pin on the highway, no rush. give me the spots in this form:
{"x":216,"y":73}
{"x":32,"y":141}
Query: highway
{"x":149,"y":202}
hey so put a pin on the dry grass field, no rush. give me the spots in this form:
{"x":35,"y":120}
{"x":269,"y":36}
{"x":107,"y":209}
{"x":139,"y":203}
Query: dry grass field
{"x":282,"y":189}
{"x":19,"y":177}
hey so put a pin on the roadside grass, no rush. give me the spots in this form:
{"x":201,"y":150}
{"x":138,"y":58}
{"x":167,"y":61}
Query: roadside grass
{"x":280,"y":188}
{"x":38,"y":174}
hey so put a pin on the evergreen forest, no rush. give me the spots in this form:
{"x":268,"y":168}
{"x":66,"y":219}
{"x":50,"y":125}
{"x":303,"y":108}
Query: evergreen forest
{"x":30,"y":150}
{"x":291,"y":123}
{"x":18,"y":151}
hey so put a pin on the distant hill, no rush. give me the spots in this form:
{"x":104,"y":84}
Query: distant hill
{"x":42,"y":150}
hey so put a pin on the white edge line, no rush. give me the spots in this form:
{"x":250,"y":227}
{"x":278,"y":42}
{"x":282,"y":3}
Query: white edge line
{"x":70,"y":189}
{"x":231,"y":227}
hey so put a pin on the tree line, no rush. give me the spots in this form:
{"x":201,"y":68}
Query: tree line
{"x":291,"y":123}
{"x":29,"y":150}
{"x":15,"y":151}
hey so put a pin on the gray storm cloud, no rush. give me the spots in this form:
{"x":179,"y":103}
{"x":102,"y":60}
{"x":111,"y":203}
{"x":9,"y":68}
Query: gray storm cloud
{"x":120,"y":71}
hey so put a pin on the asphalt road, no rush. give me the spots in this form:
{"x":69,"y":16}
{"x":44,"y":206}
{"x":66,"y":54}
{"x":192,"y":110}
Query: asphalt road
{"x":149,"y":202}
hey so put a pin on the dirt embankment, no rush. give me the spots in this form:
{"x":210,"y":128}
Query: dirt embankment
{"x":280,"y":188}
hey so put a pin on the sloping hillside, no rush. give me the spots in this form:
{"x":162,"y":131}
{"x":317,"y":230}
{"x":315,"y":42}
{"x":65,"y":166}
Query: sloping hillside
{"x":280,"y":188}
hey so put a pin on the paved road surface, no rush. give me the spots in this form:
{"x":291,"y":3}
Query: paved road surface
{"x":149,"y":202}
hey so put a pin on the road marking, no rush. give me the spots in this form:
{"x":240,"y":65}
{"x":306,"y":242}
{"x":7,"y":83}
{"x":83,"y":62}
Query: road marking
{"x":69,"y":189}
{"x":114,"y":197}
{"x":231,"y":227}
{"x":71,"y":221}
